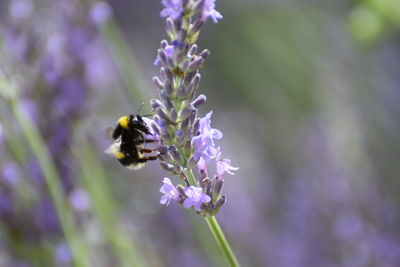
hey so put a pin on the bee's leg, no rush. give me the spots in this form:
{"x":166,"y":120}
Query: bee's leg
{"x":138,"y":141}
{"x":145,"y":159}
{"x":152,"y":157}
{"x":150,"y":140}
{"x":147,"y":150}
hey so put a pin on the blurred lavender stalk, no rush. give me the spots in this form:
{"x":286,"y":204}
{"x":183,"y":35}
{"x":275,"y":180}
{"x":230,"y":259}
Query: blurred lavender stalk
{"x":186,"y":140}
{"x":57,"y":64}
{"x":124,"y":60}
{"x":106,"y":209}
{"x":63,"y":216}
{"x":45,"y":102}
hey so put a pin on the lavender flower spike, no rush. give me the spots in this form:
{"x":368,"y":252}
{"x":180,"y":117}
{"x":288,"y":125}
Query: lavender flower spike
{"x":186,"y":141}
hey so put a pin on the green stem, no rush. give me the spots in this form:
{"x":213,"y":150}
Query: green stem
{"x":216,"y":230}
{"x":191,"y":178}
{"x":221,"y":240}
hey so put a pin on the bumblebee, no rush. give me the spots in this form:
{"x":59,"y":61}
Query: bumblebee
{"x":129,"y":138}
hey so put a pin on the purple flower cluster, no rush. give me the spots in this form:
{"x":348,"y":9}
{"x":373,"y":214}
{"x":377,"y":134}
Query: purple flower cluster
{"x":187,"y":141}
{"x":188,"y":197}
{"x":175,"y":9}
{"x":172,"y":9}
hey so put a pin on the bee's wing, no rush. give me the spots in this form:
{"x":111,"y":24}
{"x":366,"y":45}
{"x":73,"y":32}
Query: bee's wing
{"x":113,"y":147}
{"x":109,"y":132}
{"x":105,"y":134}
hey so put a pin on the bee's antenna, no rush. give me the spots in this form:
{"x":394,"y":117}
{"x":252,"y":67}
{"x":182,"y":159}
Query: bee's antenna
{"x":140,"y":108}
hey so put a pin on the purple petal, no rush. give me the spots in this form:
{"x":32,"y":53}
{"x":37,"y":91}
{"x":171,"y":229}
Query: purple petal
{"x":205,"y":198}
{"x":217,"y":134}
{"x":188,"y":203}
{"x":197,"y":206}
{"x":164,"y":200}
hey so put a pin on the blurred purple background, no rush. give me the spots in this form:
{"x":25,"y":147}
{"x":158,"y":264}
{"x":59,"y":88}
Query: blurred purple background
{"x":306,"y":93}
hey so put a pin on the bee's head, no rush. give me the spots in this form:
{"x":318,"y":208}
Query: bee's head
{"x":139,"y":124}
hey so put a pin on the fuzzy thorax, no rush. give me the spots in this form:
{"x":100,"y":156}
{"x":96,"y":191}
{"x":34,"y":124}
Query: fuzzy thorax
{"x":124,"y":122}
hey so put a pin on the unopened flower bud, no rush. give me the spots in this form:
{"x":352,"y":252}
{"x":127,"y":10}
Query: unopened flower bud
{"x":200,"y":100}
{"x":193,"y":161}
{"x":181,"y":51}
{"x":199,"y":5}
{"x":155,"y":103}
{"x":194,"y":83}
{"x":162,"y":125}
{"x":206,"y":185}
{"x":167,"y":167}
{"x":165,"y":158}
{"x":188,"y":78}
{"x":185,"y":124}
{"x":164,"y":44}
{"x":196,"y":126}
{"x":170,"y":26}
{"x":217,"y":186}
{"x":219,"y":203}
{"x":177,"y":169}
{"x":186,"y":112}
{"x":192,"y":117}
{"x":169,"y":75}
{"x":179,"y":136}
{"x":156,"y":119}
{"x":181,"y":92}
{"x":173,"y":115}
{"x":165,"y":98}
{"x":166,"y":136}
{"x":185,"y":65}
{"x":205,"y":53}
{"x":175,"y":154}
{"x":196,"y":63}
{"x":163,"y":57}
{"x":168,"y":87}
{"x":202,"y":174}
{"x":170,"y":62}
{"x":163,"y":73}
{"x":161,"y":112}
{"x":193,"y":50}
{"x":162,"y":150}
{"x":155,"y":128}
{"x":188,"y":133}
{"x":158,"y":82}
{"x":188,"y":147}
